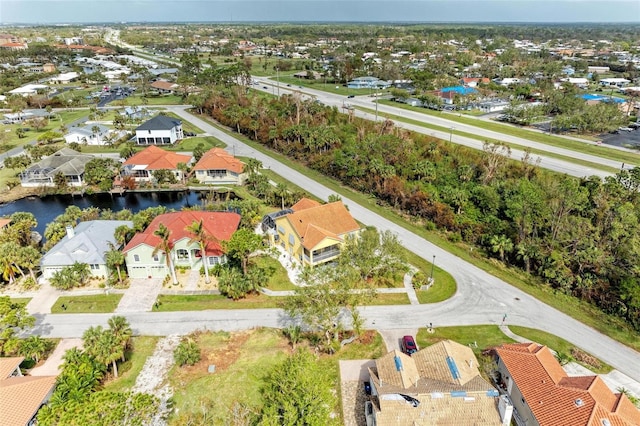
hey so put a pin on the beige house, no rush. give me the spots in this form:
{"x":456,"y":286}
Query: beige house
{"x":314,"y":233}
{"x":218,"y":167}
{"x":438,"y":385}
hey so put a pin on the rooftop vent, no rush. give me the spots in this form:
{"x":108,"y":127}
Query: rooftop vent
{"x":606,"y":422}
{"x":579,"y":402}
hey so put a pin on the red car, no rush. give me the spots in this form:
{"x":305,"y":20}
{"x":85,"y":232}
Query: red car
{"x":409,"y":345}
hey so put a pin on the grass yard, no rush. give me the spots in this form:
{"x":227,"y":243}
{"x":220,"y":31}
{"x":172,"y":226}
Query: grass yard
{"x":336,"y":88}
{"x":369,"y":345}
{"x":242,"y":361}
{"x":155,"y":100}
{"x":171,"y":303}
{"x":557,"y":344}
{"x":485,"y":336}
{"x":186,"y":125}
{"x":21,"y":300}
{"x":93,"y":304}
{"x":141,"y":348}
{"x":445,"y":286}
{"x":190,"y":143}
{"x":278,"y":279}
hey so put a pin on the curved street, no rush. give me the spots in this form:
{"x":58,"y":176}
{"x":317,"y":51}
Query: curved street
{"x":481,"y":298}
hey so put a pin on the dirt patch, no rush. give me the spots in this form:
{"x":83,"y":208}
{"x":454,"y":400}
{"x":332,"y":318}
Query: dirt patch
{"x":225,"y":357}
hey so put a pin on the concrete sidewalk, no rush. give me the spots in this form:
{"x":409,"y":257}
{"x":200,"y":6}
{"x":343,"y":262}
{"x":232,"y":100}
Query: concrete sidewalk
{"x":51,"y":366}
{"x":140,"y":296}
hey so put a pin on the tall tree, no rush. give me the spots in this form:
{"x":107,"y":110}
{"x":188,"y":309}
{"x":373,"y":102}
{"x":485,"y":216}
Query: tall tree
{"x":241,"y":245}
{"x":165,"y":246}
{"x":120,"y":328}
{"x":202,"y":238}
{"x":13,"y":319}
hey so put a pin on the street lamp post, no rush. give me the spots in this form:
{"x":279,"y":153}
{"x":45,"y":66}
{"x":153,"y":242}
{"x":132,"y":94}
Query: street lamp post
{"x":451,"y":129}
{"x":432,"y":265}
{"x":278,"y":79}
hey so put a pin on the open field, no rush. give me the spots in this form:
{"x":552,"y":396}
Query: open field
{"x":141,"y":348}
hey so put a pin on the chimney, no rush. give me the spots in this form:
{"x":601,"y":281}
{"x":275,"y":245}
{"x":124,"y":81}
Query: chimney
{"x":70,"y":231}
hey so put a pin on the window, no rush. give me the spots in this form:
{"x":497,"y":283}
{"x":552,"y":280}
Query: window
{"x":156,"y":258}
{"x":182,"y":254}
{"x":166,"y":140}
{"x":94,"y":266}
{"x":136,"y":258}
{"x":292,"y":239}
{"x":213,"y":260}
{"x":281,"y":230}
{"x":216,"y":173}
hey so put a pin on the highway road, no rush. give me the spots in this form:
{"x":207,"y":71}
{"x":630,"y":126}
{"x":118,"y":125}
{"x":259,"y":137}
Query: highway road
{"x":481,"y":298}
{"x":560,"y":166}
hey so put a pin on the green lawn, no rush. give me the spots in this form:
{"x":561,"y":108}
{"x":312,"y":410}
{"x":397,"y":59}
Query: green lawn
{"x":552,"y":140}
{"x":484,"y":336}
{"x":141,"y":348}
{"x":190,"y":143}
{"x":21,"y":300}
{"x":369,"y":345}
{"x":556,"y":343}
{"x":278,"y":280}
{"x":170,"y":303}
{"x":389,"y":299}
{"x":445,"y":286}
{"x":336,"y":88}
{"x":590,"y":315}
{"x":93,"y":304}
{"x":242,"y":361}
{"x":154,"y":100}
{"x":187,"y":126}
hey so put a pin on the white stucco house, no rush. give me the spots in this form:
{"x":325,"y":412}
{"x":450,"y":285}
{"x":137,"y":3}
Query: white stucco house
{"x":101,"y":135}
{"x":160,"y":130}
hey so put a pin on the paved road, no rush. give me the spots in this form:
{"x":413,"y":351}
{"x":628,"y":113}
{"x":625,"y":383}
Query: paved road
{"x":480,"y":299}
{"x":550,"y":163}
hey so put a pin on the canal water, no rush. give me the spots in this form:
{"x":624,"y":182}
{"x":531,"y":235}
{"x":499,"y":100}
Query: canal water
{"x":46,"y":209}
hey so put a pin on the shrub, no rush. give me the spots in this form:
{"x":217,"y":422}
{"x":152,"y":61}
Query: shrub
{"x":29,"y":283}
{"x":187,"y":353}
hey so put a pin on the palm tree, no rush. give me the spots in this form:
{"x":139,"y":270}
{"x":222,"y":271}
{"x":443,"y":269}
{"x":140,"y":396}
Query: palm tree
{"x":8,"y":267}
{"x":122,"y":332}
{"x":201,"y":237}
{"x":501,"y":244}
{"x":282,"y":191}
{"x":115,"y":259}
{"x":34,"y":347}
{"x":165,"y":246}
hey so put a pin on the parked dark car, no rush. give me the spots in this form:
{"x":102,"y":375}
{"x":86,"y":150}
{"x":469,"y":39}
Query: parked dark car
{"x":409,"y":345}
{"x":189,"y":133}
{"x":351,"y":96}
{"x":367,"y":388}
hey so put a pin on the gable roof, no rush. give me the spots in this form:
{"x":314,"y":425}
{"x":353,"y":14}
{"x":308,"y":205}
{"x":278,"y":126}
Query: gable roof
{"x":65,"y":161}
{"x":21,"y":397}
{"x":91,"y":241}
{"x":219,"y":225}
{"x":8,"y":365}
{"x":219,"y":159}
{"x":159,"y":122}
{"x":314,"y":224}
{"x":4,"y":222}
{"x":154,"y":158}
{"x":554,"y":398}
{"x":164,"y":85}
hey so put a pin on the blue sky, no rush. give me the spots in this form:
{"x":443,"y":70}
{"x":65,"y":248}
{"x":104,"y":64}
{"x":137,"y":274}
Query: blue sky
{"x":71,"y":11}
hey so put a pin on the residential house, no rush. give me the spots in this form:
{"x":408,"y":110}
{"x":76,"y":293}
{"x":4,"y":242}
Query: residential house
{"x":87,"y":243}
{"x":543,"y":394}
{"x":308,"y":75}
{"x":614,"y":82}
{"x":438,"y":385}
{"x":474,"y":81}
{"x":21,"y":396}
{"x":142,"y":164}
{"x":159,"y":130}
{"x":314,"y":233}
{"x":71,"y":164}
{"x":368,"y":82}
{"x":28,"y":89}
{"x":135,"y":112}
{"x":139,"y":252}
{"x":4,"y":222}
{"x":163,"y":86}
{"x":64,"y":78}
{"x":92,"y":134}
{"x":218,"y":167}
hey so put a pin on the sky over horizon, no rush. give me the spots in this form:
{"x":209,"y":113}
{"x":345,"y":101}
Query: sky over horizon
{"x":105,"y":11}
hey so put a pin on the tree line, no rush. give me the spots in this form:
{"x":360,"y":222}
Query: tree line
{"x":579,"y":236}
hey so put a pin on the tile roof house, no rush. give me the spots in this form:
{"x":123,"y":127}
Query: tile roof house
{"x":159,"y":130}
{"x":163,"y":86}
{"x":543,"y":394}
{"x":66,"y":161}
{"x":314,"y":233}
{"x":438,"y":385}
{"x":21,"y":396}
{"x":217,"y":166}
{"x":142,"y":164}
{"x":4,"y":222}
{"x":87,"y":243}
{"x":142,"y":263}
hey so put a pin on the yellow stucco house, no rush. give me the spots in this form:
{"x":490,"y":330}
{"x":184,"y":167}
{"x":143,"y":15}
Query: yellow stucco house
{"x":314,"y":233}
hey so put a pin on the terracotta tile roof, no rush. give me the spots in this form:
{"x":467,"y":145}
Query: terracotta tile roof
{"x":219,"y":159}
{"x":220,"y":225}
{"x":467,"y":80}
{"x":157,"y":158}
{"x":304,"y":203}
{"x":21,"y":398}
{"x":8,"y":365}
{"x":4,"y":222}
{"x":313,"y":224}
{"x":556,"y":399}
{"x":164,"y":85}
{"x":446,"y":398}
